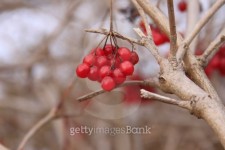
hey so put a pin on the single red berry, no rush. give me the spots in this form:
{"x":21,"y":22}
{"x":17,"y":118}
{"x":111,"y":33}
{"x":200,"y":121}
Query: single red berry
{"x":222,"y":66}
{"x":142,"y":26}
{"x":222,"y":51}
{"x":118,"y":76}
{"x":182,"y":5}
{"x":108,"y":83}
{"x":127,"y":67}
{"x":157,"y":38}
{"x":104,"y":71}
{"x":134,"y":58}
{"x":93,"y":74}
{"x":83,"y":70}
{"x":98,"y":51}
{"x":102,"y":61}
{"x":165,"y":37}
{"x":109,"y":49}
{"x":124,"y":53}
{"x":89,"y":59}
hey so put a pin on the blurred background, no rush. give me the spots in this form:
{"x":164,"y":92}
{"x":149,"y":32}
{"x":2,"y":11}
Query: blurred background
{"x":41,"y":44}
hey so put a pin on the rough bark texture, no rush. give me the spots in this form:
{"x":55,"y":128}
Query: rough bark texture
{"x":196,"y":88}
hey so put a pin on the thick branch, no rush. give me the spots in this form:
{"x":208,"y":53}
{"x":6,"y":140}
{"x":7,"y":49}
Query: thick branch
{"x":209,"y":105}
{"x":212,"y":49}
{"x":197,"y":74}
{"x":150,"y":95}
{"x":208,"y":15}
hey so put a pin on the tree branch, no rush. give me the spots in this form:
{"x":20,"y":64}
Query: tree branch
{"x":173,"y":32}
{"x":144,"y":18}
{"x":36,"y":127}
{"x":167,"y":100}
{"x":192,"y":19}
{"x":201,"y":23}
{"x":212,"y":49}
{"x":151,"y":82}
{"x":150,"y":45}
{"x":106,"y":32}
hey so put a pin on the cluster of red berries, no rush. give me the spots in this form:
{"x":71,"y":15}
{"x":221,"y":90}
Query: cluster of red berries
{"x":109,"y":65}
{"x":159,"y":37}
{"x":217,"y":62}
{"x":182,"y":6}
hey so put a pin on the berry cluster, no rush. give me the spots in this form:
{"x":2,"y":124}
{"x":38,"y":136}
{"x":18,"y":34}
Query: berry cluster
{"x":159,"y":37}
{"x":108,"y":65}
{"x":217,"y":62}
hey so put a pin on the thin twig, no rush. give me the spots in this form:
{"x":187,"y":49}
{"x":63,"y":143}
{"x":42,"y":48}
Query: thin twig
{"x":106,"y":32}
{"x":181,"y":51}
{"x":111,"y":15}
{"x":173,"y":32}
{"x":36,"y":127}
{"x":148,"y":40}
{"x":150,"y":95}
{"x":151,"y":82}
{"x":158,"y":3}
{"x":144,"y":18}
{"x":149,"y":44}
{"x":212,"y":48}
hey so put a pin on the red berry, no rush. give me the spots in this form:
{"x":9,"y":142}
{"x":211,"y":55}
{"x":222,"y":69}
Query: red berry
{"x":142,"y":26}
{"x":109,"y":49}
{"x":157,"y":37}
{"x":93,"y":74}
{"x":83,"y":70}
{"x":124,"y":53}
{"x":104,"y":71}
{"x":127,"y":67}
{"x":102,"y":61}
{"x":134,"y":58}
{"x":100,"y":52}
{"x":222,"y":66}
{"x":182,"y":5}
{"x":89,"y":59}
{"x":118,"y":76}
{"x":108,"y":83}
{"x":222,"y":51}
{"x":209,"y":70}
{"x":165,"y":37}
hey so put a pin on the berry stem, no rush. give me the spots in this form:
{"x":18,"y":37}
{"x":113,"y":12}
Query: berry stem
{"x":111,"y":15}
{"x":105,"y":37}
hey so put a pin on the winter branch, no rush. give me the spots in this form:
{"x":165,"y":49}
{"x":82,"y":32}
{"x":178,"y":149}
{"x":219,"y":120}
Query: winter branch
{"x":164,"y":99}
